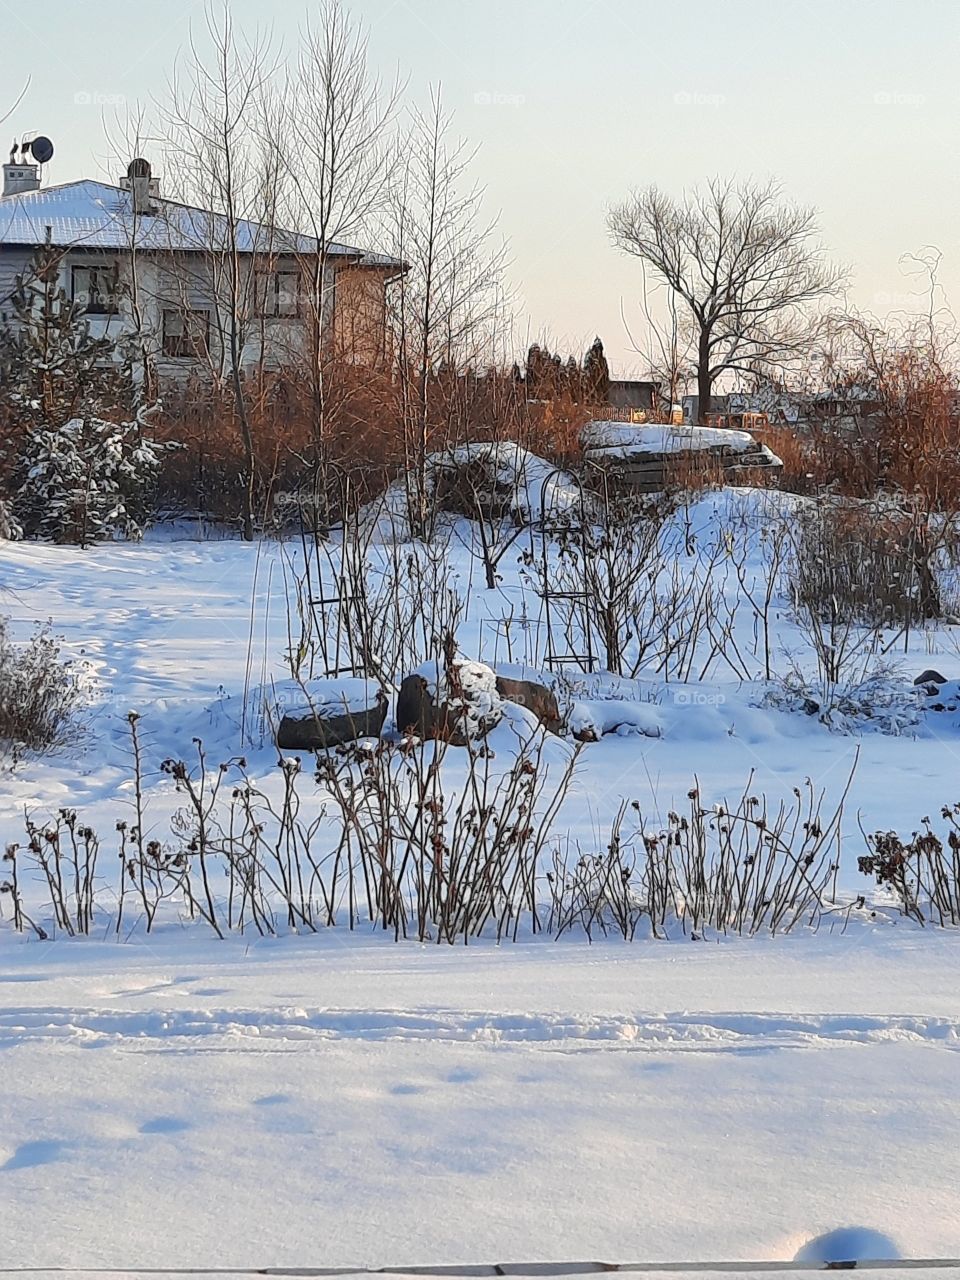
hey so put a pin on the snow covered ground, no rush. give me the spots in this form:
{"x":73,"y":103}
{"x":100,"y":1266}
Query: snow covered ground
{"x":339,"y":1099}
{"x":179,"y":630}
{"x":321,"y":1104}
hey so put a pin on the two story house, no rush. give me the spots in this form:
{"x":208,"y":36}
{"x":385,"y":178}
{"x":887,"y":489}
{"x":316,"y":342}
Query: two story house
{"x":193,"y":285}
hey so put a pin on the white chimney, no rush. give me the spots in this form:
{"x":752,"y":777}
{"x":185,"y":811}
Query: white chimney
{"x":18,"y":178}
{"x":142,"y":187}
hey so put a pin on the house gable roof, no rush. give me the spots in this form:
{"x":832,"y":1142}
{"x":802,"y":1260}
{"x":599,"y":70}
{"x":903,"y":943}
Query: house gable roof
{"x":97,"y":215}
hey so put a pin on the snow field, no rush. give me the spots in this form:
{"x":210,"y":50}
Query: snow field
{"x":337,"y":1099}
{"x":350,"y":1106}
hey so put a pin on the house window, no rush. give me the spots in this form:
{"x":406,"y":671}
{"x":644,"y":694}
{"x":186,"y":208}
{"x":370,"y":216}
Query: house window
{"x":278,"y":293}
{"x":186,"y":334}
{"x":97,"y":289}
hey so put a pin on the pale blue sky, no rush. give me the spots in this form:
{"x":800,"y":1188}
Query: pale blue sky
{"x":854,"y":105}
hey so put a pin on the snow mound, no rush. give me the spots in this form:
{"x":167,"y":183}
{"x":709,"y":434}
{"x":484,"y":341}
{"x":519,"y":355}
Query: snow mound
{"x":526,"y":480}
{"x":848,"y":1244}
{"x":501,"y":479}
{"x":589,"y":720}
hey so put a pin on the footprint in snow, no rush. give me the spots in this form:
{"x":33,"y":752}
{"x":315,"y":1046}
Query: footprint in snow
{"x":29,"y":1155}
{"x":165,"y":1124}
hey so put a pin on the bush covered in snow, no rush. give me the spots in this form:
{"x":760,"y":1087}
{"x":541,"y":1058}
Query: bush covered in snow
{"x":9,"y":528}
{"x":53,"y":367}
{"x":877,"y":701}
{"x":468,"y":692}
{"x":486,"y":481}
{"x":87,"y":480}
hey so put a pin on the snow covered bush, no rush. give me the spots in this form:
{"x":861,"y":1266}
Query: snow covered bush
{"x":52,"y":366}
{"x":878,"y":699}
{"x":87,"y":480}
{"x":9,"y":528}
{"x":74,"y":475}
{"x":469,"y":689}
{"x":494,"y":483}
{"x":860,"y":577}
{"x":40,"y":693}
{"x":457,"y":701}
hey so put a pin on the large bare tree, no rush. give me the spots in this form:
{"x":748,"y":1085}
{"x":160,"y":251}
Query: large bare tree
{"x":337,"y":150}
{"x":450,"y":303}
{"x":744,"y":264}
{"x":216,"y":127}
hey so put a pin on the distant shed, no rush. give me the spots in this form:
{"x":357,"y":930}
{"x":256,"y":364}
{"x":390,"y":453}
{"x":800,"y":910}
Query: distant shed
{"x":633,"y":394}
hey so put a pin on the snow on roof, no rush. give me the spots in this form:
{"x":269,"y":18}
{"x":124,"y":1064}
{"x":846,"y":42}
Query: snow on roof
{"x":97,"y":215}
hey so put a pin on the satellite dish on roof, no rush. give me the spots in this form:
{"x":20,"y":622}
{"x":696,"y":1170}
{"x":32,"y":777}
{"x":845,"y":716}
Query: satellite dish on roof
{"x":42,"y":149}
{"x":138,"y":168}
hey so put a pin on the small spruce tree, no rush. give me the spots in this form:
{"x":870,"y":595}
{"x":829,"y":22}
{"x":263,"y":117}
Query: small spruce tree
{"x":77,"y":476}
{"x":536,"y":381}
{"x":573,"y":379}
{"x":87,"y":480}
{"x":51,"y":366}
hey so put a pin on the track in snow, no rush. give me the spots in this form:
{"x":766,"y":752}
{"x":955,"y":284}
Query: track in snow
{"x":694,"y":1032}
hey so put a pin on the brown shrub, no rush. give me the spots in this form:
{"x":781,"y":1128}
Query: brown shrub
{"x":871,"y":562}
{"x":370,"y":430}
{"x":40,"y":693}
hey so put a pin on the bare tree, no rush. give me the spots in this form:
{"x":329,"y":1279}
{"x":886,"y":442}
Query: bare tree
{"x":339,"y":161}
{"x":137,"y":339}
{"x":215,"y":126}
{"x":745,"y":265}
{"x":450,"y":302}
